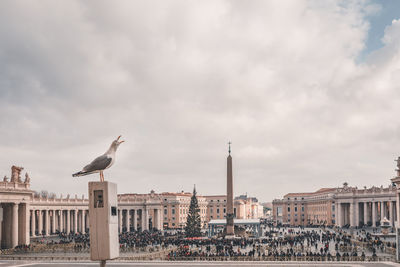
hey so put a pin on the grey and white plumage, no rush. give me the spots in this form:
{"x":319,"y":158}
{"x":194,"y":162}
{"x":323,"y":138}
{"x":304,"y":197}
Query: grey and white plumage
{"x":102,"y":162}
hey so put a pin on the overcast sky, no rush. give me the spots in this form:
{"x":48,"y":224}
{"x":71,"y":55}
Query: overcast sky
{"x":307,"y":91}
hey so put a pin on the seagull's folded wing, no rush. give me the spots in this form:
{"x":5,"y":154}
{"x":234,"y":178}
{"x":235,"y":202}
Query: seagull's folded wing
{"x":98,"y":164}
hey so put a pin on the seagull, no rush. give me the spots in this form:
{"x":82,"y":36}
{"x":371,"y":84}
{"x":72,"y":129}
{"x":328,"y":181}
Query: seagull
{"x":102,"y":162}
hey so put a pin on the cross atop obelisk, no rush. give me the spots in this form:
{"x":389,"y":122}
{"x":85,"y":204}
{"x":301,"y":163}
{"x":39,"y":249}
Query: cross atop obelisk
{"x":229,"y":195}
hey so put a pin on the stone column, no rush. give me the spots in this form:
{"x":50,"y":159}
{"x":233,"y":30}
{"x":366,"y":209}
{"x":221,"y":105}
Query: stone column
{"x":145,"y":223}
{"x":46,"y":228}
{"x":14,"y":230}
{"x":373,"y":214}
{"x":382,"y":210}
{"x":68,"y":230}
{"x":53,"y":221}
{"x":135,"y":215}
{"x":160,"y":220}
{"x":120,"y":220}
{"x":352,"y":221}
{"x":83,"y":221}
{"x":357,"y":214}
{"x":61,"y":221}
{"x":397,"y":208}
{"x":23,"y":226}
{"x":75,"y":221}
{"x":340,"y":215}
{"x":391,"y":217}
{"x":155,"y":219}
{"x":365,"y":212}
{"x":40,"y":223}
{"x":127,"y":220}
{"x":33,"y":224}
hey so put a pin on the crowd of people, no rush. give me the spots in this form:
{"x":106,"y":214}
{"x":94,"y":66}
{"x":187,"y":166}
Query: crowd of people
{"x":276,"y":243}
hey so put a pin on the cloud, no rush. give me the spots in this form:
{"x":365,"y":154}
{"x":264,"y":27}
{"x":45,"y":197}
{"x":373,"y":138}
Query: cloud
{"x":179,"y":79}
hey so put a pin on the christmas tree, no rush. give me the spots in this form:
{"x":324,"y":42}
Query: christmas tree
{"x":193,"y":222}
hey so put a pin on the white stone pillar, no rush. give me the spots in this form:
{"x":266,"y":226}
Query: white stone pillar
{"x":53,"y":221}
{"x":14,"y":231}
{"x":155,"y":219}
{"x":373,"y":214}
{"x":382,"y":210}
{"x":23,"y":226}
{"x":145,"y":219}
{"x":339,"y":215}
{"x":135,"y":215}
{"x":61,"y":221}
{"x":127,"y":220}
{"x":83,"y":221}
{"x":33,"y":224}
{"x":68,"y":230}
{"x":142,"y":219}
{"x":120,"y":220}
{"x":391,"y":217}
{"x":46,"y":228}
{"x":365,"y":212}
{"x":40,"y":223}
{"x":75,"y":221}
{"x":352,"y":221}
{"x":160,"y":224}
{"x":398,"y":208}
{"x":357,"y":214}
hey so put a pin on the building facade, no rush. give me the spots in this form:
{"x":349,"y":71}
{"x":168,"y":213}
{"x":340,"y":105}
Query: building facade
{"x":24,"y":214}
{"x":341,"y":206}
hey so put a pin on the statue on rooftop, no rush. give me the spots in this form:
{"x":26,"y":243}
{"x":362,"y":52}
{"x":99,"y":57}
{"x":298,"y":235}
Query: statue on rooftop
{"x":27,"y":178}
{"x":5,"y":179}
{"x":16,"y":174}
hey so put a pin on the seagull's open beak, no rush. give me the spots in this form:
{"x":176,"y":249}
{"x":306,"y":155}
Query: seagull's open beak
{"x":119,"y":142}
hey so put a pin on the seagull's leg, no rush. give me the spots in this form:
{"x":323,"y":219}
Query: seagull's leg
{"x":101,"y":176}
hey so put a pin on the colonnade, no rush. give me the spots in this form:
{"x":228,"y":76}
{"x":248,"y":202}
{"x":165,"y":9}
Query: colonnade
{"x":14,"y":227}
{"x":139,"y":219}
{"x":51,"y":221}
{"x":365,"y":212}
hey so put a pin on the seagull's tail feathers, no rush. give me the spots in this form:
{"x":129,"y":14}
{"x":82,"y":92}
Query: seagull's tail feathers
{"x":81,"y":173}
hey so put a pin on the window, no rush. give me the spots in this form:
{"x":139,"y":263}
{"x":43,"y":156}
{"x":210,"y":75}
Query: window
{"x":302,"y":208}
{"x":295,"y":209}
{"x":217,"y":210}
{"x":173,"y":211}
{"x":224,"y":210}
{"x":288,"y":209}
{"x":211,"y":210}
{"x":165,"y":211}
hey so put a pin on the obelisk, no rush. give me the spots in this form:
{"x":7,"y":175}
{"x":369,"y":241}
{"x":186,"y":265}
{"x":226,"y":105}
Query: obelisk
{"x":229,"y":196}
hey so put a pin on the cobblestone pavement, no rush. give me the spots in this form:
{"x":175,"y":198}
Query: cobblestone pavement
{"x":191,"y":264}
